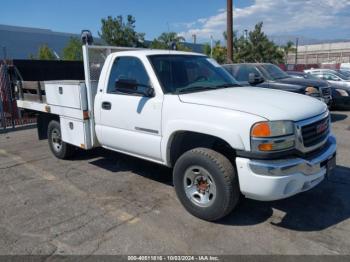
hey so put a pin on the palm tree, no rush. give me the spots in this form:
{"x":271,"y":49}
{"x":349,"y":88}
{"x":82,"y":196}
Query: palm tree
{"x":165,"y":40}
{"x":287,"y":49}
{"x":171,"y":37}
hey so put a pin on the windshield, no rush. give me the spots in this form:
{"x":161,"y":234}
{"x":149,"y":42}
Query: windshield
{"x":310,"y":76}
{"x":345,"y":73}
{"x":190,"y":73}
{"x":273,"y":72}
{"x":342,"y":75}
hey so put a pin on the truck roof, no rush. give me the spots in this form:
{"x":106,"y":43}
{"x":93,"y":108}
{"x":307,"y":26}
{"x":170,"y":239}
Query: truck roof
{"x":252,"y":64}
{"x":148,"y":52}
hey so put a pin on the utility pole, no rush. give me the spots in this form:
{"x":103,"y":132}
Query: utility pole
{"x":229,"y":30}
{"x":211,"y":46}
{"x":194,"y":38}
{"x":296,"y":51}
{"x":4,"y":50}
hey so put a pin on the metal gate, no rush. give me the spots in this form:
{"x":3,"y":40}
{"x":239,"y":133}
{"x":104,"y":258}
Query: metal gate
{"x":10,"y":116}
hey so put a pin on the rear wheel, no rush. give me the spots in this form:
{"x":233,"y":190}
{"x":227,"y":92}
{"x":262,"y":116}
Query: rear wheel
{"x":206,"y":184}
{"x":60,"y":149}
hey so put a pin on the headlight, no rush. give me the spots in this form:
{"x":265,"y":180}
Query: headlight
{"x":272,"y":136}
{"x":342,"y":92}
{"x":312,"y":91}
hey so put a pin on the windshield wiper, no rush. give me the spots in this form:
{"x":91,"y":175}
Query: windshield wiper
{"x":194,"y":89}
{"x":281,"y":77}
{"x":203,"y":88}
{"x":228,"y":85}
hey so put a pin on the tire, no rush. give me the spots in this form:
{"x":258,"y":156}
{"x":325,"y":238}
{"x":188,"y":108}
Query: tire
{"x":59,"y":148}
{"x":206,"y":184}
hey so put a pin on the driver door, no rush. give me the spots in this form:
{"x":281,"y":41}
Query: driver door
{"x":130,"y":122}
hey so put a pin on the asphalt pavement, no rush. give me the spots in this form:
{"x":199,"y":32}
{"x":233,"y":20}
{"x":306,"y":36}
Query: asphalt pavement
{"x":103,"y":202}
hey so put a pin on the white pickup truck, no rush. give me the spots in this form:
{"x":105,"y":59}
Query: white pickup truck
{"x":184,"y":111}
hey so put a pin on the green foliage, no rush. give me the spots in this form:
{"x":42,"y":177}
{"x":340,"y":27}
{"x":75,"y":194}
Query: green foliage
{"x":219,"y":52}
{"x":44,"y":53}
{"x":116,"y":31}
{"x":165,"y":40}
{"x":257,"y":48}
{"x":73,"y":50}
{"x":287,"y":49}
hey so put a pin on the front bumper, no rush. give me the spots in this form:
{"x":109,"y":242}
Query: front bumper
{"x":269,"y":180}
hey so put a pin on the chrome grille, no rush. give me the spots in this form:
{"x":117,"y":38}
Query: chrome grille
{"x":316,"y":132}
{"x":326,"y":91}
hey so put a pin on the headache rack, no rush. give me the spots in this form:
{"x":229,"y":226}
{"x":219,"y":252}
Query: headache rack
{"x":63,"y":88}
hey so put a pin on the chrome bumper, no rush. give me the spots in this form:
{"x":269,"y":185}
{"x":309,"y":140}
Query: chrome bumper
{"x":296,"y":165}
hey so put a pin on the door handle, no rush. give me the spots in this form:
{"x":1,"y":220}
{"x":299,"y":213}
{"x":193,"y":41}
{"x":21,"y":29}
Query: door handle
{"x":106,"y":105}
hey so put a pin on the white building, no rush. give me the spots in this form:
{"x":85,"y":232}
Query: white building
{"x":322,"y":53}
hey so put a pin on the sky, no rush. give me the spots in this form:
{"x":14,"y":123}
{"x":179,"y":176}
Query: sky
{"x":319,"y":19}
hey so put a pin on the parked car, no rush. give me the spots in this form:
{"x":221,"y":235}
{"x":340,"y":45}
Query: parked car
{"x":184,"y":111}
{"x":271,"y":76}
{"x":340,"y":94}
{"x":331,"y":76}
{"x":345,"y":72}
{"x":345,"y":66}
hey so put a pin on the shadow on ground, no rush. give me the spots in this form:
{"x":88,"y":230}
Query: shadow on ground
{"x":322,"y":207}
{"x":116,"y":162}
{"x":338,"y":117}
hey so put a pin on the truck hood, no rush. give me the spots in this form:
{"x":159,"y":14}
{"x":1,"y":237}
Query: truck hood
{"x":303,"y":82}
{"x":267,"y":103}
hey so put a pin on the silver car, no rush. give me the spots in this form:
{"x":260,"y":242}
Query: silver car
{"x":332,"y":76}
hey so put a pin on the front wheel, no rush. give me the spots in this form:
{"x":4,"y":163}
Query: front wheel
{"x":206,"y":184}
{"x":60,"y":149}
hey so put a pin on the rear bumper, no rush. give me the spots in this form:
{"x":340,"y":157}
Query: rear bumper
{"x":269,"y":180}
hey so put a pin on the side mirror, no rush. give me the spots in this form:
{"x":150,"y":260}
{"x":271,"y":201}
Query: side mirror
{"x":255,"y":79}
{"x":130,"y":86}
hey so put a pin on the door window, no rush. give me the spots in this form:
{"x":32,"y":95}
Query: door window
{"x":330,"y":77}
{"x":128,"y":68}
{"x":242,"y":74}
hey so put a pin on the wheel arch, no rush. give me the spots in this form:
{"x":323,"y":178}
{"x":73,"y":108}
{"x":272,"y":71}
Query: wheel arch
{"x":43,"y":120}
{"x":182,"y":141}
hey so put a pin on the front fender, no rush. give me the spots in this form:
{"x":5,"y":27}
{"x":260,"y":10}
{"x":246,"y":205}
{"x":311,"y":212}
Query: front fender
{"x":225,"y":133}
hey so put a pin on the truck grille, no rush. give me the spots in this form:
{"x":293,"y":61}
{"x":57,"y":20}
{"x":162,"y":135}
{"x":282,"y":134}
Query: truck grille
{"x":315,"y":133}
{"x":326,"y":91}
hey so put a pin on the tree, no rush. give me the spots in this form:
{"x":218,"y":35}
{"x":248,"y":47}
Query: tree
{"x":287,"y":49}
{"x":256,"y":48}
{"x":115,"y":31}
{"x":219,"y":52}
{"x":44,"y":53}
{"x":165,"y":40}
{"x":73,"y":50}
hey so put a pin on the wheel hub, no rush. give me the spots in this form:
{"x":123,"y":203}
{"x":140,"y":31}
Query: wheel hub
{"x":202,"y":185}
{"x":56,"y":140}
{"x":199,"y":186}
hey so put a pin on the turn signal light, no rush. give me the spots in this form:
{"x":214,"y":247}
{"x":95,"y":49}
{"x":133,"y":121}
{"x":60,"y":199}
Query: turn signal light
{"x":265,"y":147}
{"x":261,"y":130}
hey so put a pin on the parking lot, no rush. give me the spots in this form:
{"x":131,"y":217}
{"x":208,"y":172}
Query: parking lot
{"x":107,"y":203}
